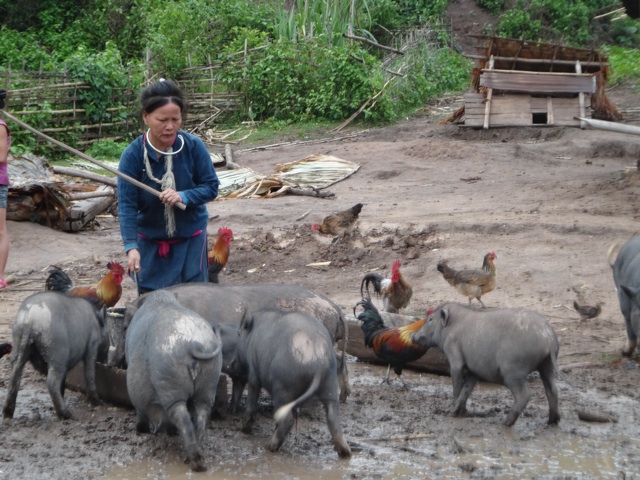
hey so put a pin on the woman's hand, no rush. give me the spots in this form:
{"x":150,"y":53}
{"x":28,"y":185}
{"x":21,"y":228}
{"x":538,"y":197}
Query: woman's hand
{"x":170,"y":196}
{"x":133,"y":260}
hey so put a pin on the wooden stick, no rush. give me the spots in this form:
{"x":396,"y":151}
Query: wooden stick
{"x":124,"y":176}
{"x":73,"y":172}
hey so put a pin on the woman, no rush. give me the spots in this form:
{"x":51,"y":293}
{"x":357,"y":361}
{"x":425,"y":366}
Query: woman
{"x":5,"y":144}
{"x":164,"y":244}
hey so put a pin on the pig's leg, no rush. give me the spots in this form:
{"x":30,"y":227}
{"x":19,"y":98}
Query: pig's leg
{"x":548,"y":376}
{"x":18,"y":360}
{"x":283,"y":427}
{"x":632,"y":339}
{"x":238,"y":384}
{"x":201,"y":413}
{"x":460,"y":402}
{"x":253,"y":393}
{"x":90,"y":360}
{"x":521,"y":397}
{"x":180,"y":417}
{"x":333,"y":422}
{"x":55,"y":381}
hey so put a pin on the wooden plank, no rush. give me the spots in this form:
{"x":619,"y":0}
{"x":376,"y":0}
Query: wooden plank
{"x":537,"y":82}
{"x":583,"y":125}
{"x":82,"y":212}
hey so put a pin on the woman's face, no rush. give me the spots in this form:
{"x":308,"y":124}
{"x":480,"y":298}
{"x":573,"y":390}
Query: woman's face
{"x":163,"y":123}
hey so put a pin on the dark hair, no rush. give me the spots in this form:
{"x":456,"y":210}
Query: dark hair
{"x":3,"y":95}
{"x":159,"y":94}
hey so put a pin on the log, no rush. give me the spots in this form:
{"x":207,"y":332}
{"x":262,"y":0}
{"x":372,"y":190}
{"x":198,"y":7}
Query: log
{"x":595,"y":417}
{"x":82,"y":212}
{"x":434,"y":361}
{"x":74,"y":172}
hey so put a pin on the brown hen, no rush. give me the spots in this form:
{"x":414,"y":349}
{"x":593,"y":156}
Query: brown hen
{"x":339,"y":224}
{"x":473,"y":283}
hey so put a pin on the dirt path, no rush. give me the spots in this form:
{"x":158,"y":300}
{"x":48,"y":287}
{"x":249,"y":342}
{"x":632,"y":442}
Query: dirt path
{"x":549,"y":201}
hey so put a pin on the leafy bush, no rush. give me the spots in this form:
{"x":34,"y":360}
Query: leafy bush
{"x":493,"y":6}
{"x":624,"y":64}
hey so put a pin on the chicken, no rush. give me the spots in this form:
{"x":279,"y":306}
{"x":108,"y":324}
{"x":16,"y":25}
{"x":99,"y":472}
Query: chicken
{"x":5,"y":349}
{"x":219,"y":255}
{"x":339,"y":224}
{"x":105,"y":293}
{"x":473,"y":283}
{"x":395,"y":291}
{"x":391,"y":344}
{"x":587,"y":311}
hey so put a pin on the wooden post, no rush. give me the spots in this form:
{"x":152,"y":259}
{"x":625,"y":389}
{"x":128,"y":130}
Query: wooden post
{"x":583,"y":111}
{"x":487,"y":105}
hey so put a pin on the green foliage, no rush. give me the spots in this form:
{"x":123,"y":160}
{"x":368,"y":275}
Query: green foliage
{"x":624,"y":64}
{"x":326,"y":19}
{"x":419,"y":12}
{"x":493,"y":6}
{"x":103,"y":72}
{"x":304,"y":81}
{"x":433,"y":73}
{"x":106,"y":150}
{"x":517,"y":23}
{"x":625,"y":32}
{"x":558,"y":21}
{"x":23,"y":49}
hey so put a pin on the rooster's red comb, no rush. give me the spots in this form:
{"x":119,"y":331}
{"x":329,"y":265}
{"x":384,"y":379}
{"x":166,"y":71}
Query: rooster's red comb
{"x":225,"y":231}
{"x":115,"y":267}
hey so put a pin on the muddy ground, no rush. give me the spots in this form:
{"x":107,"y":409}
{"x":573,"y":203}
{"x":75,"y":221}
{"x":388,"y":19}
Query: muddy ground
{"x":549,"y":201}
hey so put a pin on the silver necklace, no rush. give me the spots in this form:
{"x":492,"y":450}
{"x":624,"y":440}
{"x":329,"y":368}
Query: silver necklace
{"x":164,"y":152}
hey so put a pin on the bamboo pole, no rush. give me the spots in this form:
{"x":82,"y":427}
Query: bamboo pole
{"x":104,"y":166}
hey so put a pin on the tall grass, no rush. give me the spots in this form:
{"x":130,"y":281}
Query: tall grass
{"x":326,"y":19}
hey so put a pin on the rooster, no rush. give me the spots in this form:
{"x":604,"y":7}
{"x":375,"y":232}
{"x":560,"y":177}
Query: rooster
{"x":472,"y":282}
{"x":219,"y":255}
{"x":392,"y":345}
{"x":5,"y":349}
{"x":105,"y":293}
{"x":339,"y":224}
{"x":395,"y":291}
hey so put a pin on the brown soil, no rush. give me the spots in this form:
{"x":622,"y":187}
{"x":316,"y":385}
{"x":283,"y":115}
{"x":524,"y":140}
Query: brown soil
{"x":549,"y":201}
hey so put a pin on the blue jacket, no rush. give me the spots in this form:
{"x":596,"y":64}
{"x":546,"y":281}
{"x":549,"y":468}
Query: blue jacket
{"x":141,"y":212}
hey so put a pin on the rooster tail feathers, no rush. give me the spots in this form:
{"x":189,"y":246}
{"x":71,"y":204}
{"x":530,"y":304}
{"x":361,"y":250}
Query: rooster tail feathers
{"x":371,"y":278}
{"x":356,"y":209}
{"x":371,"y":320}
{"x":58,"y":281}
{"x":447,"y":272}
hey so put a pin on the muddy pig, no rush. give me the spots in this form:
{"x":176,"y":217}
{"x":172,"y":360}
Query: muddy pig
{"x":175,"y":359}
{"x":626,"y":275}
{"x":227,"y":304}
{"x":54,"y":332}
{"x":290,"y":355}
{"x":496,"y":345}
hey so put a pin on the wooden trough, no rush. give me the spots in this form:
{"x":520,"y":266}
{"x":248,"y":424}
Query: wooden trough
{"x":111,"y":382}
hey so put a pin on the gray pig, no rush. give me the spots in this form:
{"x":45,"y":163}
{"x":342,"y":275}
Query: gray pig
{"x":54,"y":332}
{"x":626,"y":275}
{"x":175,"y":358}
{"x":227,"y":304}
{"x":289,"y":354}
{"x":497,"y":345}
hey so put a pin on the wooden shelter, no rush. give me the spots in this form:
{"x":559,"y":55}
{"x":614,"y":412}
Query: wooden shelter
{"x":521,"y":83}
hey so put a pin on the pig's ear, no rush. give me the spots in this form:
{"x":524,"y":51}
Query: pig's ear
{"x":444,"y":316}
{"x":247,"y":321}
